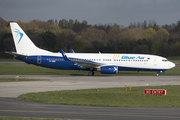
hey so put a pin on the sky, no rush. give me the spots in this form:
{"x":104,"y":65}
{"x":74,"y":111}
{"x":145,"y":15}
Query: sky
{"x":121,"y":12}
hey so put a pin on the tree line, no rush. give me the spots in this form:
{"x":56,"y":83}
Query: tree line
{"x":141,"y":37}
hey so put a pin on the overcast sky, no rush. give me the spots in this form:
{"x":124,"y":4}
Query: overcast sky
{"x":121,"y":12}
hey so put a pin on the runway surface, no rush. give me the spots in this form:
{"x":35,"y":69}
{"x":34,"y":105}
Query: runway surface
{"x":12,"y":106}
{"x":18,"y":108}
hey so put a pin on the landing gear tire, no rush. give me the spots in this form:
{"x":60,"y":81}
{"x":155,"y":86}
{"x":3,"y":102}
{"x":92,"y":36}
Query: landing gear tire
{"x":157,"y":74}
{"x":91,"y":73}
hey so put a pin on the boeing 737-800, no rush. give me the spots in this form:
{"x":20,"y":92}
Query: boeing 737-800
{"x":27,"y":51}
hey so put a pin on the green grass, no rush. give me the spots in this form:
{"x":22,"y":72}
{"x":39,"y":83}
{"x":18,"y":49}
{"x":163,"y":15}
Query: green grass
{"x":18,"y":118}
{"x":9,"y":60}
{"x":117,"y":97}
{"x":19,"y":80}
{"x":175,"y":59}
{"x":36,"y":70}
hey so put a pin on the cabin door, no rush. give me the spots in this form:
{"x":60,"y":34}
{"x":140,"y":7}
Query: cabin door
{"x":155,"y":61}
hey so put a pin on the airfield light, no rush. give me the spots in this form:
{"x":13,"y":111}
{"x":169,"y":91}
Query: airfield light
{"x":17,"y":78}
{"x":44,"y":96}
{"x":130,"y":86}
{"x":126,"y":86}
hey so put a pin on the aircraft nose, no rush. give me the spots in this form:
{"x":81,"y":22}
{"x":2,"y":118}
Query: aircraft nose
{"x":172,"y":65}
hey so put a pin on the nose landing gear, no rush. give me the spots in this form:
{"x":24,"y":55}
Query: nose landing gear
{"x":160,"y":72}
{"x":157,"y":74}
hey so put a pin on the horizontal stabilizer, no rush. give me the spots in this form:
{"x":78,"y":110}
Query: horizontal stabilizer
{"x":16,"y":54}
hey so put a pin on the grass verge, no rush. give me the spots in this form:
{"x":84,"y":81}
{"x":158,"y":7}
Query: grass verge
{"x":117,"y":97}
{"x":9,"y":60}
{"x":19,"y":80}
{"x":175,"y":59}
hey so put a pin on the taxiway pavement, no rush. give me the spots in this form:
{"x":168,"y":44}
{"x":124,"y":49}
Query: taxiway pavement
{"x":66,"y":82}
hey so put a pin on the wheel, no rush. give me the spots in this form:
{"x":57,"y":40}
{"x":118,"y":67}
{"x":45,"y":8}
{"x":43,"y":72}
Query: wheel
{"x":157,"y":74}
{"x":91,"y":73}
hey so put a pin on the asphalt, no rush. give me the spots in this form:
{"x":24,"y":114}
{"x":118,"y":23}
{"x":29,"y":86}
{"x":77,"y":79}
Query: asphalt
{"x":15,"y":107}
{"x":10,"y":105}
{"x":73,"y":82}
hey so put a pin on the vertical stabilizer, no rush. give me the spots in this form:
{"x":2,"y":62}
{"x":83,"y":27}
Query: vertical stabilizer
{"x":23,"y":43}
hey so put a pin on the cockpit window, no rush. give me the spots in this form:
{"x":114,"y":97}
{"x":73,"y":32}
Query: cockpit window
{"x":164,"y":60}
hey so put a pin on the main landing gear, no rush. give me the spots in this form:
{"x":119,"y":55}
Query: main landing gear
{"x":91,"y":73}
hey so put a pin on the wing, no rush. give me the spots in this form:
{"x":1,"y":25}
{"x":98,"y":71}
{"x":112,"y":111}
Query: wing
{"x":88,"y":64}
{"x":81,"y":62}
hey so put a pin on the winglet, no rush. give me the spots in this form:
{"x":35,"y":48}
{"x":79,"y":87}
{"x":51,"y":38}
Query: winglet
{"x":72,"y":51}
{"x":64,"y":55}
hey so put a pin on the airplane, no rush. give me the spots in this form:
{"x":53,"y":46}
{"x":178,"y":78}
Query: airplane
{"x":28,"y":52}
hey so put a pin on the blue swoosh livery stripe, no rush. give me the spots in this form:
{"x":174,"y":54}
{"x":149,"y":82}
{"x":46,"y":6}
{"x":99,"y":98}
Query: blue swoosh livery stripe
{"x":19,"y":33}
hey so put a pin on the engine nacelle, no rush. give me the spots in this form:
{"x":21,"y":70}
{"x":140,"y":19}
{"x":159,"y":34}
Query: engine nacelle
{"x":161,"y":71}
{"x":109,"y":70}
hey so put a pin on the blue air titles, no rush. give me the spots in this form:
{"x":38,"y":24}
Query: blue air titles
{"x":132,"y":58}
